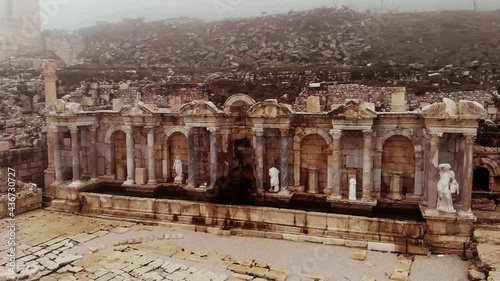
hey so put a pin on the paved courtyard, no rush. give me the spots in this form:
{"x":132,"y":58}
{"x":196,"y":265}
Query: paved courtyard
{"x":60,"y":246}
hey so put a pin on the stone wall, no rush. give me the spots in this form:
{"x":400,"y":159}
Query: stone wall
{"x":489,"y":158}
{"x":314,"y":155}
{"x":398,"y":156}
{"x":29,"y":163}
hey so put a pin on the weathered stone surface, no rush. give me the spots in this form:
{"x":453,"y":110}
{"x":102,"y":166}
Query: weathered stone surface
{"x":359,"y":255}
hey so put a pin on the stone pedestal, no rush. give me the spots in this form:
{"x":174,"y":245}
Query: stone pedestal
{"x":121,"y":172}
{"x":396,"y":186}
{"x":313,"y":187}
{"x":446,"y":232}
{"x":141,"y":176}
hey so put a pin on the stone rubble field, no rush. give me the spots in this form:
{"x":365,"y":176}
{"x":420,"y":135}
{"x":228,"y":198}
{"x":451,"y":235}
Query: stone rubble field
{"x":58,"y":246}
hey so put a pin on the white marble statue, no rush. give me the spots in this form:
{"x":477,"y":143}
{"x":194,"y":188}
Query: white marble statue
{"x":178,"y":170}
{"x":275,"y":181}
{"x":352,"y":189}
{"x":446,"y":186}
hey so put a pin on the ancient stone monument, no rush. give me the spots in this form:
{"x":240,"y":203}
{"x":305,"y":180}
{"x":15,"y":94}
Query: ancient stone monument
{"x":178,"y":171}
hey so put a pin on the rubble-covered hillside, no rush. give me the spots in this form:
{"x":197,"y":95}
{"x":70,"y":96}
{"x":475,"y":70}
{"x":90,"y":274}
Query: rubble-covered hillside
{"x":320,"y":36}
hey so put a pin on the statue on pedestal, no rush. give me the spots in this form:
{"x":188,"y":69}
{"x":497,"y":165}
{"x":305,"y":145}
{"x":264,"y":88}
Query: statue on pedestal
{"x":178,"y":170}
{"x":446,"y":186}
{"x":275,"y":181}
{"x":352,"y":189}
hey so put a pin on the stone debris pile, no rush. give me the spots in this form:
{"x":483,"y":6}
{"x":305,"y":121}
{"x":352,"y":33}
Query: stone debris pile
{"x":326,"y":36}
{"x":21,"y":112}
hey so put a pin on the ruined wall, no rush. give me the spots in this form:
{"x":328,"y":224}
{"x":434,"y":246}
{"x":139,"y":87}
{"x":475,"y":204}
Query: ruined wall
{"x":489,"y":158}
{"x":29,"y":163}
{"x":398,"y":156}
{"x":381,"y":97}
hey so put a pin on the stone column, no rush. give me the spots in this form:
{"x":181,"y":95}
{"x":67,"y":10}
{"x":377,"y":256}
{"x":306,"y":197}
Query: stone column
{"x":377,"y":173}
{"x":418,"y":175}
{"x":75,"y":154}
{"x":367,"y":165}
{"x":259,"y":157}
{"x":285,"y":143}
{"x":130,"y":155}
{"x":49,"y":73}
{"x":166,"y":162}
{"x":433,"y":173}
{"x":151,"y":156}
{"x":466,"y":189}
{"x":191,"y":159}
{"x":56,"y":145}
{"x":296,"y":164}
{"x":336,"y":165}
{"x":213,"y":154}
{"x":93,"y":152}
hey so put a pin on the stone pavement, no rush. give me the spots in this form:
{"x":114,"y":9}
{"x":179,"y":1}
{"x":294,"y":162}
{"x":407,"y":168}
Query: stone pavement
{"x":61,"y":246}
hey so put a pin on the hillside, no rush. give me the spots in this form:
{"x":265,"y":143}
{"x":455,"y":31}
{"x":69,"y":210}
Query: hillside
{"x":315,"y":37}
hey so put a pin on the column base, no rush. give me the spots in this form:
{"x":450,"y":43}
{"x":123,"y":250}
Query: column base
{"x":366,"y":199}
{"x":467,"y":215}
{"x":77,"y":183}
{"x":129,"y":182}
{"x":395,"y":196}
{"x":335,"y":197}
{"x":152,"y":182}
{"x":414,"y":197}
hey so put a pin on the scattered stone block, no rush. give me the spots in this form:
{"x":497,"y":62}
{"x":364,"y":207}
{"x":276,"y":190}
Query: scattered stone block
{"x":359,"y":255}
{"x":475,"y":275}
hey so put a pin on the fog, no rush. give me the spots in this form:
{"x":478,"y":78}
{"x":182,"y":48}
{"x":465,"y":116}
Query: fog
{"x":71,"y":14}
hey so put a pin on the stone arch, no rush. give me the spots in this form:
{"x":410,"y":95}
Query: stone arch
{"x":110,"y":132}
{"x":377,"y":165}
{"x":399,"y":132}
{"x":237,"y":98}
{"x":489,"y":164}
{"x":300,"y":135}
{"x":175,"y":129}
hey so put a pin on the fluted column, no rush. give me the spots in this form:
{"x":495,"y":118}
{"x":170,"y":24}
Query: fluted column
{"x":191,"y":159}
{"x":75,"y":154}
{"x":56,"y":146}
{"x":130,"y":154}
{"x":213,"y":154}
{"x":336,"y":166}
{"x":151,"y":156}
{"x":285,"y":144}
{"x":93,"y":152}
{"x":466,"y":189}
{"x":259,"y":157}
{"x":367,"y":165}
{"x":433,"y":173}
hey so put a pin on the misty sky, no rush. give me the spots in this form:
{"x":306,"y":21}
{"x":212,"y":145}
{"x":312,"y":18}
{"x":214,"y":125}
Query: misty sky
{"x":80,"y":13}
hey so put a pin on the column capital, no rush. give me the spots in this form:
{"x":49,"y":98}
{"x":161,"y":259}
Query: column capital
{"x":470,"y":138}
{"x":54,"y":128}
{"x":434,"y":137}
{"x":259,"y":132}
{"x":127,"y":129}
{"x":367,"y":134}
{"x":285,"y":132}
{"x":213,"y":130}
{"x":93,"y":128}
{"x":336,"y":134}
{"x":73,"y":129}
